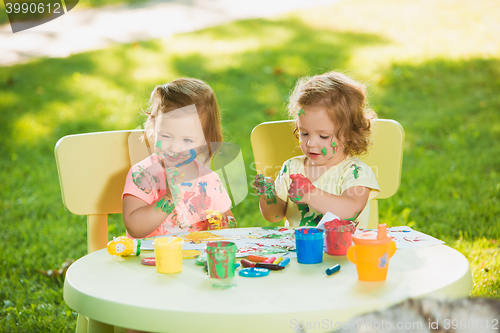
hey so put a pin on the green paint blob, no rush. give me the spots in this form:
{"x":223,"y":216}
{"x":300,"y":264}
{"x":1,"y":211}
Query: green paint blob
{"x":144,"y":180}
{"x":334,"y":146}
{"x":158,"y":144}
{"x":355,"y":171}
{"x":301,"y":112}
{"x":323,"y":151}
{"x":306,"y":219}
{"x":165,"y":205}
{"x":231,"y":222}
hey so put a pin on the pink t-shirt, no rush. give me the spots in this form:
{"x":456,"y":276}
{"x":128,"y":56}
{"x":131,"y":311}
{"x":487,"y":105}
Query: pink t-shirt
{"x":146,"y":180}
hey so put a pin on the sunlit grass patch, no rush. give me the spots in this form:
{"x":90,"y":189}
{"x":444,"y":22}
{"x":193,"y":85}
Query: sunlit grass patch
{"x":483,"y":255}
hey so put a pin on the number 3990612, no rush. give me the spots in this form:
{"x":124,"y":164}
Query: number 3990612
{"x":27,"y":7}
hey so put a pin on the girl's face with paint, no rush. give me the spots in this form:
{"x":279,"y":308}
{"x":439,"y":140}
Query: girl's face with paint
{"x":178,"y":137}
{"x":317,"y":137}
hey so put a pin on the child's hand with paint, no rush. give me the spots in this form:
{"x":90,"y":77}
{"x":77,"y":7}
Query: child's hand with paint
{"x":174,"y":178}
{"x":299,"y":187}
{"x":144,"y":180}
{"x":264,"y":187}
{"x":167,"y":202}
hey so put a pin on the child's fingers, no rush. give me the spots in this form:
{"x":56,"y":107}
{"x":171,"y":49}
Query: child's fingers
{"x":295,"y":193}
{"x":269,"y":182}
{"x":259,"y":184}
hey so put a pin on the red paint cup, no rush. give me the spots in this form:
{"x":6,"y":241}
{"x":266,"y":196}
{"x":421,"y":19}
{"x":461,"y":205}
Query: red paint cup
{"x":338,"y":236}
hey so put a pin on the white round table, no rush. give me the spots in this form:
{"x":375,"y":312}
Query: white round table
{"x":122,"y":292}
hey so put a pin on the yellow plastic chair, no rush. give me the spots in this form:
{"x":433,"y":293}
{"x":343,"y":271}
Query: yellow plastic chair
{"x":92,"y":170}
{"x":274,"y":142}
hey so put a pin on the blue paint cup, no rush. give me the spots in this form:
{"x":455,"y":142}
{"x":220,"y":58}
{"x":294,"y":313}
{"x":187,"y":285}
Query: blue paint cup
{"x":309,"y":244}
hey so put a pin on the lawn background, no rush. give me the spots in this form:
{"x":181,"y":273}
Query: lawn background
{"x":432,"y":66}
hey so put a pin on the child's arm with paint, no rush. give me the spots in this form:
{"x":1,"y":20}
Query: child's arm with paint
{"x":141,"y":218}
{"x":346,"y":206}
{"x":272,"y":208}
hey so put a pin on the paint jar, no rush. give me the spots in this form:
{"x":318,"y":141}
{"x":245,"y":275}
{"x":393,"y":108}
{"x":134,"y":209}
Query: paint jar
{"x":309,"y":244}
{"x":371,"y":253}
{"x":338,"y":234}
{"x":168,"y":254}
{"x":221,"y":257}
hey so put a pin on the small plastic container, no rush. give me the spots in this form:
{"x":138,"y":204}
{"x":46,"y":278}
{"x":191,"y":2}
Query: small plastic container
{"x":168,"y":254}
{"x":371,"y":253}
{"x":338,"y":235}
{"x":221,"y":259}
{"x":309,"y":244}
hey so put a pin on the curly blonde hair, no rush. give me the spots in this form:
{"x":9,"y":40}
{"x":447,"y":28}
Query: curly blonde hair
{"x":345,"y":103}
{"x":181,"y":93}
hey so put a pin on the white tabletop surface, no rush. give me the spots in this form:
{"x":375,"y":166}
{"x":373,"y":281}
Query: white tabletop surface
{"x":122,"y":292}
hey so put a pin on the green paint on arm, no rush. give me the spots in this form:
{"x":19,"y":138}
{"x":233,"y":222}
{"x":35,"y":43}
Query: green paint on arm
{"x":165,"y":205}
{"x":353,"y":218}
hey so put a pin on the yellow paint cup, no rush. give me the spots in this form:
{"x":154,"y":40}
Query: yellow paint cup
{"x":168,"y":254}
{"x":371,"y":253}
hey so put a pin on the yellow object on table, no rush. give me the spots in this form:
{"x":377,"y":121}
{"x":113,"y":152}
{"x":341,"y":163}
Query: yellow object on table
{"x":168,"y":254}
{"x":124,"y":246}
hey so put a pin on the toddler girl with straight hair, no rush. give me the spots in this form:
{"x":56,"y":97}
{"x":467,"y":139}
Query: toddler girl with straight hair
{"x":172,"y":190}
{"x":333,"y":126}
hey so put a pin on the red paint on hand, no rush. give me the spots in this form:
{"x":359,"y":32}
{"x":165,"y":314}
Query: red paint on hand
{"x":300,"y":186}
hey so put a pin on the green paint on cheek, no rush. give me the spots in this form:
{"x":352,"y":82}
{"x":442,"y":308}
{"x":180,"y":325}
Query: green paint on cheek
{"x":334,"y":146}
{"x":323,"y":151}
{"x":158,"y":144}
{"x":301,"y":112}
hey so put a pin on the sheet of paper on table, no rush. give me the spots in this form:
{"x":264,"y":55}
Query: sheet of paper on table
{"x":264,"y":241}
{"x":407,"y":238}
{"x":279,"y":241}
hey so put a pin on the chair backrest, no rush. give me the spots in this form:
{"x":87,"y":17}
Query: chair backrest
{"x":274,"y":142}
{"x":92,"y":170}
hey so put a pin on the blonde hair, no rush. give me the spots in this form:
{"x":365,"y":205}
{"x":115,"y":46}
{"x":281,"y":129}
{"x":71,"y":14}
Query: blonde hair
{"x":344,"y":100}
{"x":181,"y":93}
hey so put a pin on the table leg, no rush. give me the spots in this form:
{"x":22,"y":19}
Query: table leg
{"x":81,"y":324}
{"x":98,"y":327}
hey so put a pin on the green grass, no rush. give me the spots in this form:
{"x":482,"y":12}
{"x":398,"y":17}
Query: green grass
{"x":433,"y":71}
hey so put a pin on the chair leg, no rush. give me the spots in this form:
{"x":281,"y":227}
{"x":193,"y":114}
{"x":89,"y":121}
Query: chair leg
{"x":97,"y":232}
{"x":81,"y":324}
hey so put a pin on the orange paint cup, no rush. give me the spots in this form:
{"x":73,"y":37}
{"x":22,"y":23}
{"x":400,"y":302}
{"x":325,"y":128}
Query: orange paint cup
{"x":371,"y":253}
{"x":168,"y":254}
